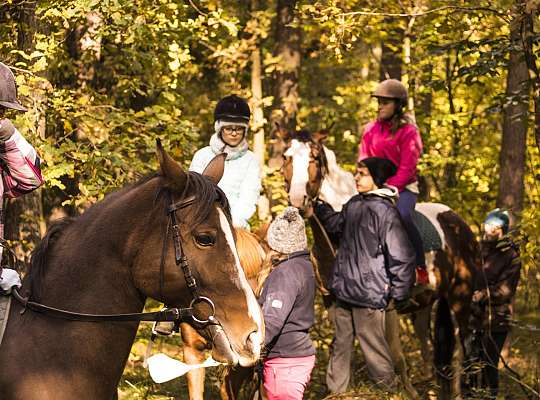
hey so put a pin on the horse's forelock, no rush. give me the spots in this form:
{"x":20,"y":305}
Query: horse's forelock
{"x":207,"y":194}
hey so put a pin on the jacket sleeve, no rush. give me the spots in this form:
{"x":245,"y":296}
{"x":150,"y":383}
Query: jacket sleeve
{"x":21,"y":172}
{"x":410,"y":147}
{"x":364,"y":150}
{"x":399,"y":254}
{"x":243,"y":208}
{"x":504,"y":289}
{"x":199,"y":162}
{"x":332,"y":220}
{"x":279,"y":296}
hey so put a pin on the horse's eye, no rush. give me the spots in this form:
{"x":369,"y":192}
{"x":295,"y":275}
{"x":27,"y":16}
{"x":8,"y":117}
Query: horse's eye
{"x":205,"y":239}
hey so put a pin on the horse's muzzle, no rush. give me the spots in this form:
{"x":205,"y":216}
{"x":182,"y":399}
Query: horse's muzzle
{"x":223,"y":351}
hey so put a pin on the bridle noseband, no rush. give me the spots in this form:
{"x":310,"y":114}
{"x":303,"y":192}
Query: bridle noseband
{"x":174,"y":314}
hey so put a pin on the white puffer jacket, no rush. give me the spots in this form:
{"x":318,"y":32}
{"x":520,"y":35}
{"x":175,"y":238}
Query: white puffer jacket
{"x":241,"y":180}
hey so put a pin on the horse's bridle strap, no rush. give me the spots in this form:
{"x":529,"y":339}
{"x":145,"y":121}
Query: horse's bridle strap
{"x":168,"y":314}
{"x":179,"y":256}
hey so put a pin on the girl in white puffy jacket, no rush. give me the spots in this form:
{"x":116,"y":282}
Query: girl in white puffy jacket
{"x":241,"y":180}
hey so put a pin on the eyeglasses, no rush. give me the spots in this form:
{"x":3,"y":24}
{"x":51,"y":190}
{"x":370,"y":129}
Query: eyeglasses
{"x":238,"y":129}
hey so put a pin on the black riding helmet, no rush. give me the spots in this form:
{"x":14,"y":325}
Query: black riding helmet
{"x":232,"y":108}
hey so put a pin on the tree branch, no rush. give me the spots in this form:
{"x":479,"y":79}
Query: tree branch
{"x":427,"y":12}
{"x":197,"y":8}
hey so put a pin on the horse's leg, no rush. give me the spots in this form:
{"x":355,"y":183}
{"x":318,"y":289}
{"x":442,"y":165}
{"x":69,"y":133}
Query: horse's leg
{"x":396,"y":351}
{"x":194,"y":346}
{"x":233,"y":381}
{"x":443,"y":348}
{"x":421,"y":322}
{"x":457,"y":359}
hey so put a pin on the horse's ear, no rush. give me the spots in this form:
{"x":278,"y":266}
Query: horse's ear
{"x":214,"y":169}
{"x":173,"y":173}
{"x":320,"y":136}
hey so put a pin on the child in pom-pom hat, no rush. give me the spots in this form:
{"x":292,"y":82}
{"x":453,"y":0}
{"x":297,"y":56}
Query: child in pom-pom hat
{"x":287,"y":298}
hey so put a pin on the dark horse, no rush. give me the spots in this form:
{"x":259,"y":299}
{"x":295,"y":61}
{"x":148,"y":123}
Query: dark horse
{"x":108,"y":261}
{"x":310,"y":170}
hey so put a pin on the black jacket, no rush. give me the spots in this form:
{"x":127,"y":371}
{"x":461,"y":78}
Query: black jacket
{"x":287,"y":301}
{"x":375,"y":260}
{"x":500,"y":275}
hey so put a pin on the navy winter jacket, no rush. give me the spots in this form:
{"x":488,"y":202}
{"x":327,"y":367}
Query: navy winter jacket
{"x":375,"y":260}
{"x":287,"y":301}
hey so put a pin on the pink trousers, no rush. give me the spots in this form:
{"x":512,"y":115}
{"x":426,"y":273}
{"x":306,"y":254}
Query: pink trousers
{"x":287,"y":378}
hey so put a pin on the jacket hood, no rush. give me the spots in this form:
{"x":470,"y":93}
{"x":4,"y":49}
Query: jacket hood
{"x":388,"y":192}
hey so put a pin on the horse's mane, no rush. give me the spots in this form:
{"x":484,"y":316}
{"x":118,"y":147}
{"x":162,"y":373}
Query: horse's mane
{"x":38,"y":260}
{"x":202,"y":187}
{"x":250,"y":252}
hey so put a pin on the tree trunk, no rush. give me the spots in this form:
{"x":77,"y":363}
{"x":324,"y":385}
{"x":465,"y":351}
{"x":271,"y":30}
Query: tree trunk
{"x":24,"y":222}
{"x":408,"y":77}
{"x":286,"y":90}
{"x":450,"y":170}
{"x":258,"y":118}
{"x":392,"y":49}
{"x":514,"y":137}
{"x":530,"y":57}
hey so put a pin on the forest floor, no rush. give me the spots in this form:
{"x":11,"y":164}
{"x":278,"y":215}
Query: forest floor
{"x":524,"y":359}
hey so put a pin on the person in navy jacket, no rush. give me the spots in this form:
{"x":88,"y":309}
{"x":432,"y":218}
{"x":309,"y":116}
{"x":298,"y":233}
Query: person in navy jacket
{"x":287,"y":301}
{"x":375,"y":264}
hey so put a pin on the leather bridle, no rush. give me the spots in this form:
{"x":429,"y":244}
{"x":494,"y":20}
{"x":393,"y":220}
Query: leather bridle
{"x":175,"y":314}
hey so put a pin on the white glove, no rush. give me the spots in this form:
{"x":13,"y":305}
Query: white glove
{"x":8,"y":279}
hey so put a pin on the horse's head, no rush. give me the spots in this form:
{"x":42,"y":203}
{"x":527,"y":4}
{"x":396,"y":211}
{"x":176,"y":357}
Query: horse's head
{"x":207,"y":241}
{"x":304,"y":165}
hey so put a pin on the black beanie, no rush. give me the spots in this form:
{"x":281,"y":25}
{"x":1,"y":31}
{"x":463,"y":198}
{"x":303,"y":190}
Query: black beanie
{"x":380,"y":169}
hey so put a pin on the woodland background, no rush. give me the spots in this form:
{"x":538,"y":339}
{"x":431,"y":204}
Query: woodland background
{"x":104,"y":79}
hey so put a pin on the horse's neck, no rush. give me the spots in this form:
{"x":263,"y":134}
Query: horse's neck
{"x":338,"y":185}
{"x":94,"y":255}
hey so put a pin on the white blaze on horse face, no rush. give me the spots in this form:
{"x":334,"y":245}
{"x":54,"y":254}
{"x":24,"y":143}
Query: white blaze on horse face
{"x":254,"y":311}
{"x":338,"y":185}
{"x":300,"y":153}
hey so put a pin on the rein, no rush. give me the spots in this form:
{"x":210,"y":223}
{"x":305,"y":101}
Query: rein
{"x":175,"y":314}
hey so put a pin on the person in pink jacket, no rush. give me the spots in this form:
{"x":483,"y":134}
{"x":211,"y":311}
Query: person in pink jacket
{"x":19,"y":162}
{"x":394,"y":135}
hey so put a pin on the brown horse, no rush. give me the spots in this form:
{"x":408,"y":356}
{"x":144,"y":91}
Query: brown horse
{"x":252,"y":254}
{"x":310,"y":170}
{"x":108,"y":261}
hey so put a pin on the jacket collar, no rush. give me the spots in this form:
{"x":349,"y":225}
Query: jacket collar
{"x":296,"y":254}
{"x":218,"y":146}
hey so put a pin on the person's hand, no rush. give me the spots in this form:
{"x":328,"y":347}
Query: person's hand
{"x":6,"y":129}
{"x":478,"y":296}
{"x":402,"y":305}
{"x":8,"y":279}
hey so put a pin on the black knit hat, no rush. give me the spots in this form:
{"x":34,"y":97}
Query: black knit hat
{"x":379,"y":168}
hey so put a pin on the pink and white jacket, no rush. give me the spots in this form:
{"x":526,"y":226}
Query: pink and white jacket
{"x":20,"y":169}
{"x":402,"y":148}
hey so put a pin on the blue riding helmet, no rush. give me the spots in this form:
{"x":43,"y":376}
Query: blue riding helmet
{"x":498,"y":218}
